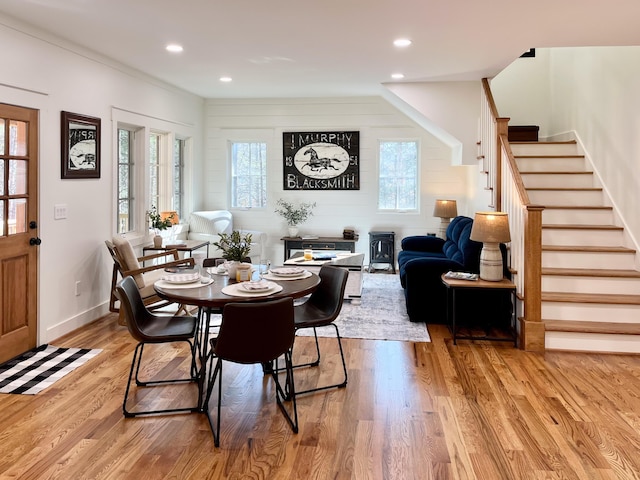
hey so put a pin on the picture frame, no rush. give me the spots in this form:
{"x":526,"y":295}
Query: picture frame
{"x":321,"y":160}
{"x":80,"y":146}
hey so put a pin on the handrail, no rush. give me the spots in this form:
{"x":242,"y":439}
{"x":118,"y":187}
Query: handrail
{"x":525,"y":219}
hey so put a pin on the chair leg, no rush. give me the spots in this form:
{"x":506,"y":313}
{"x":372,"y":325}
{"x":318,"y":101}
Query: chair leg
{"x":214,"y":373}
{"x":135,"y":366}
{"x":316,"y":362}
{"x":344,"y":366}
{"x":288,"y":393}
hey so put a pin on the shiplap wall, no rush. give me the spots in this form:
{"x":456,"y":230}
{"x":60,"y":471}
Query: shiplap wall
{"x":375,"y":119}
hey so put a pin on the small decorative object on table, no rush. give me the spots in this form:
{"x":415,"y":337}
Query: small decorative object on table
{"x":293,"y":215}
{"x":461,"y":275}
{"x":158,"y":222}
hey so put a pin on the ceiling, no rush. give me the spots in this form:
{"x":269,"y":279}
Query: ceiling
{"x":304,"y":48}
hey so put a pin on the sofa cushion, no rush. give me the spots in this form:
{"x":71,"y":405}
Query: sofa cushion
{"x":212,"y":222}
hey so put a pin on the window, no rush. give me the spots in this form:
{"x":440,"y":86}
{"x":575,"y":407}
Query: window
{"x":152,"y":156}
{"x":125,"y":180}
{"x":178,"y":175}
{"x":398,"y":175}
{"x":248,"y":174}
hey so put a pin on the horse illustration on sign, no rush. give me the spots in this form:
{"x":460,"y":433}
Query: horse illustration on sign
{"x":322,"y":160}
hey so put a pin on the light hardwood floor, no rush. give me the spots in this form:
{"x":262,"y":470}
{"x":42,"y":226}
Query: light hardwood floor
{"x":410,"y":411}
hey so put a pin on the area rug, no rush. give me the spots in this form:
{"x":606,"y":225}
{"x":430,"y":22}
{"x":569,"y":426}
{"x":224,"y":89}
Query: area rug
{"x":381,"y":314}
{"x":37,"y":369}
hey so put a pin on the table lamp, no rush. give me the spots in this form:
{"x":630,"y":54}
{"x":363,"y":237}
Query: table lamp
{"x":175,"y":220}
{"x":446,"y":210}
{"x":491,"y":228}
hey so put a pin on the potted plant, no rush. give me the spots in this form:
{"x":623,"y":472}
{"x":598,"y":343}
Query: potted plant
{"x":294,"y":215}
{"x":235,"y":248}
{"x":157,"y":223}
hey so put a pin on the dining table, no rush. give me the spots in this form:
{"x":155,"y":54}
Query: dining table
{"x":214,"y":290}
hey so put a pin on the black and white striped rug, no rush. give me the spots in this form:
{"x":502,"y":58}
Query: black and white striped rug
{"x":37,"y":369}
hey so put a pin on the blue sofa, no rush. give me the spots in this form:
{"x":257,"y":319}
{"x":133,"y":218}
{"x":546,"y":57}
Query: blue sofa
{"x":423,"y":259}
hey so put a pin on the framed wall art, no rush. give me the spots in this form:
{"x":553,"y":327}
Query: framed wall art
{"x":80,"y":141}
{"x":321,"y":160}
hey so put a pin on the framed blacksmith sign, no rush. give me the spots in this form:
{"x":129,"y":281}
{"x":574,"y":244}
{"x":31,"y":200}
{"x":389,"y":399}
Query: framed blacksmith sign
{"x":321,"y":160}
{"x":80,"y":140}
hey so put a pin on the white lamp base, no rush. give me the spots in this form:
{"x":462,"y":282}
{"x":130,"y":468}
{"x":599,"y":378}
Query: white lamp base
{"x":491,"y":263}
{"x":444,"y":223}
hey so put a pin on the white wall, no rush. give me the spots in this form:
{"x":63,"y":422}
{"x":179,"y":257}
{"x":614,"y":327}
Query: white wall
{"x":374,"y":118}
{"x":47,"y":74}
{"x":592,"y":93}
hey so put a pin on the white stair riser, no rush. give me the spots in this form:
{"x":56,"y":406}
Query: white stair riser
{"x":590,"y":198}
{"x":616,"y":261}
{"x":591,"y":312}
{"x":551,"y":164}
{"x":592,"y":342}
{"x":600,"y":238}
{"x":557,"y":180}
{"x":553,"y":216}
{"x":542,"y":148}
{"x":574,"y":284}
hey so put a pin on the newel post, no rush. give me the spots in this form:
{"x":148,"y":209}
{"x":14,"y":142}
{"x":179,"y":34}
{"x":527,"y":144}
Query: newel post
{"x":532,"y":328}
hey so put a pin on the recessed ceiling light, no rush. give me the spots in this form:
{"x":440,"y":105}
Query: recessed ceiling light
{"x":225,"y":79}
{"x":397,"y":76}
{"x":402,"y":42}
{"x":174,"y":48}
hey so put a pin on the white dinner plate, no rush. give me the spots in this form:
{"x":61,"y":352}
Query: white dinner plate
{"x":288,"y":271}
{"x":261,"y":286}
{"x":180,"y":278}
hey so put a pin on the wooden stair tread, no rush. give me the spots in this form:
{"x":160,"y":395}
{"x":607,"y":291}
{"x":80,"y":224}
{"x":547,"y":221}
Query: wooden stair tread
{"x":544,"y":142}
{"x":555,"y":172}
{"x":578,"y":207}
{"x":548,"y":156}
{"x":581,"y":226}
{"x":564,"y":189}
{"x":580,"y":326}
{"x":591,"y":272}
{"x":603,"y":298}
{"x":587,"y":248}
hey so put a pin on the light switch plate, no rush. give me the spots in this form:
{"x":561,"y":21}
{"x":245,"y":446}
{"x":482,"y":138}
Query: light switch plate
{"x":60,"y":211}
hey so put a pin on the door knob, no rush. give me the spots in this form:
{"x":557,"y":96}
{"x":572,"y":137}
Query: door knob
{"x":33,"y":224}
{"x":35,"y":241}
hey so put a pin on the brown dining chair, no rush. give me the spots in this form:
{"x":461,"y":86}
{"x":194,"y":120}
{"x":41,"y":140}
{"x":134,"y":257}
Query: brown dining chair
{"x":255,"y":333}
{"x":320,"y":310}
{"x":147,"y":327}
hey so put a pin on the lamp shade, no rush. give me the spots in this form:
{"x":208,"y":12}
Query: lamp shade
{"x":172,"y":214}
{"x":491,"y":227}
{"x":445,"y":209}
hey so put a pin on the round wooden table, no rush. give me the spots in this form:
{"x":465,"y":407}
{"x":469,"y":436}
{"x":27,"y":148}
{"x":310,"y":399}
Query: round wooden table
{"x":211,"y":296}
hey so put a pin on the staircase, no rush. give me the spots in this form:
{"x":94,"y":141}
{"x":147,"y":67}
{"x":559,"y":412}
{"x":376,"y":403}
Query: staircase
{"x":590,"y":287}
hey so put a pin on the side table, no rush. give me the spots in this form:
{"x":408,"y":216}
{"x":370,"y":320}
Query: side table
{"x":187,"y":246}
{"x":454,"y":285}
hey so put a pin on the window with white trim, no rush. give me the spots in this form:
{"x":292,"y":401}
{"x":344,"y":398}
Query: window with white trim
{"x":398,"y":180}
{"x":248,"y":174}
{"x":151,"y":162}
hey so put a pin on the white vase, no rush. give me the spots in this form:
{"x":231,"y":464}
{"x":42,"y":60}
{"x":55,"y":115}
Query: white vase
{"x":293,"y":231}
{"x":157,"y":241}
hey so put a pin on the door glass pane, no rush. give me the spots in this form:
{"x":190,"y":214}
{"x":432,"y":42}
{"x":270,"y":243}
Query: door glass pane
{"x":17,"y":216}
{"x":1,"y":218}
{"x":1,"y":136}
{"x":17,"y":177}
{"x":17,"y":138}
{"x":2,"y":177}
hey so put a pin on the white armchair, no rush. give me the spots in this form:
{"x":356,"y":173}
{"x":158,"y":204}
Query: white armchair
{"x":207,"y":225}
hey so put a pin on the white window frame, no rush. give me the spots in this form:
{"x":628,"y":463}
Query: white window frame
{"x":416,"y":209}
{"x":231,"y":199}
{"x":143,"y":126}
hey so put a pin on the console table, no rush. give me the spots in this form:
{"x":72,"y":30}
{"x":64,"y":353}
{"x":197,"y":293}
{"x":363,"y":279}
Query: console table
{"x":320,"y":243}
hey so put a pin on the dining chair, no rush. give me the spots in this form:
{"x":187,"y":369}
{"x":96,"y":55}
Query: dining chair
{"x":320,"y":310}
{"x":147,"y":327}
{"x":125,"y":263}
{"x":255,"y":333}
